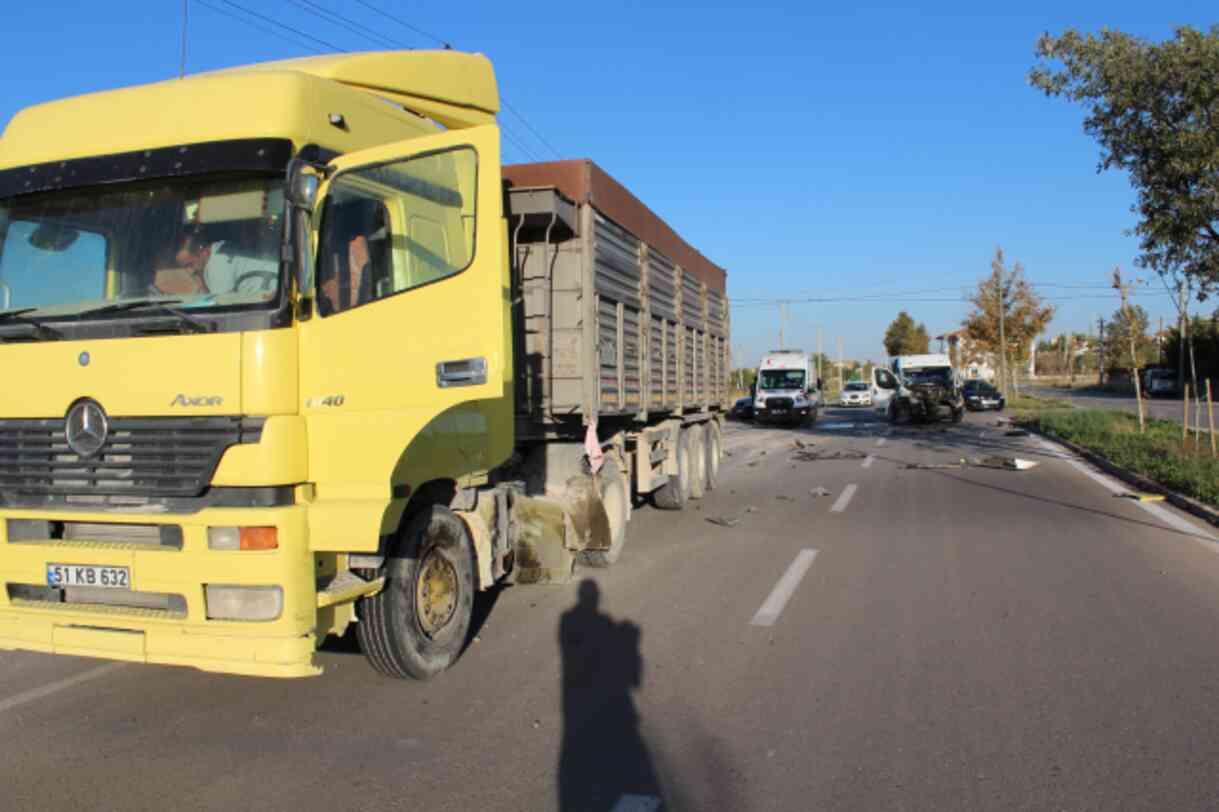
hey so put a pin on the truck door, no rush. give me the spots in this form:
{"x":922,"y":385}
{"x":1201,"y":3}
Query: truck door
{"x":405,"y":356}
{"x":884,"y":387}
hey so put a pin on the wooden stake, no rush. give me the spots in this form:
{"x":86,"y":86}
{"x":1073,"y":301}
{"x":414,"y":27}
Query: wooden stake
{"x":1210,"y":417}
{"x":1198,"y":418}
{"x":1185,"y":419}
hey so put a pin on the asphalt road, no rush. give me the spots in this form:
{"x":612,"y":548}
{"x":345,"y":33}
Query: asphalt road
{"x":948,"y":639}
{"x":1159,"y":408}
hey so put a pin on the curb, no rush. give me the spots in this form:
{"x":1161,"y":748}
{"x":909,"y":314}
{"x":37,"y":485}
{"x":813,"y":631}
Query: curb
{"x":1179,"y":500}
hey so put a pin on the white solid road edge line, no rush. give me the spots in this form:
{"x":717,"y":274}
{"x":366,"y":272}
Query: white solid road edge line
{"x":844,"y":499}
{"x":33,"y":694}
{"x":1109,"y":483}
{"x":779,"y":596}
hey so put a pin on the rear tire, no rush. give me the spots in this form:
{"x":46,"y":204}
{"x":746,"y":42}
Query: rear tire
{"x":416,"y":626}
{"x":714,"y":451}
{"x":674,"y":494}
{"x":695,"y":439}
{"x":615,"y":495}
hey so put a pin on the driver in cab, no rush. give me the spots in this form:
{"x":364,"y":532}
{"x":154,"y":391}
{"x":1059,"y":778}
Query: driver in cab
{"x":193,"y":266}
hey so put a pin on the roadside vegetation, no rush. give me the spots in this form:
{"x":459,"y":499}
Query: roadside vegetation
{"x":1157,"y":454}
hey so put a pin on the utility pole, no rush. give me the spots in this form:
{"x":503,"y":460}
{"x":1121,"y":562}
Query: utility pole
{"x":839,"y":366}
{"x":1182,"y":325}
{"x":1134,"y":354}
{"x":782,"y":320}
{"x":818,"y":352}
{"x":1002,"y":332}
{"x":1100,"y":353}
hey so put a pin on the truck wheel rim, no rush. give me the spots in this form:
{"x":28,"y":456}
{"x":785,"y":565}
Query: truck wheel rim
{"x":435,"y":592}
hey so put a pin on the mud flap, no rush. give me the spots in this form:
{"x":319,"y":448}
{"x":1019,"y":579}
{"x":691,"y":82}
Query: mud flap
{"x":550,"y":532}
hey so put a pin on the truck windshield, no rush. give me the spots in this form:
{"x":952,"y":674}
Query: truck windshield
{"x":200,"y":242}
{"x":940,"y":375}
{"x":782,"y":379}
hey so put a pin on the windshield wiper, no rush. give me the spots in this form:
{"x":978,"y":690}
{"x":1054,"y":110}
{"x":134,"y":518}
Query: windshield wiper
{"x":185,"y":322}
{"x":41,"y":331}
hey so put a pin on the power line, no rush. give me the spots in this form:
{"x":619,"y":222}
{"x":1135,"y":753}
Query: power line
{"x":764,"y":303}
{"x":351,"y":25}
{"x":405,"y":24}
{"x":284,"y":26}
{"x":524,"y":121}
{"x":507,"y":105}
{"x":269,"y":31}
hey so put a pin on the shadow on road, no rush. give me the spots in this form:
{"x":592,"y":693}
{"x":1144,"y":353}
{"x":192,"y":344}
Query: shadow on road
{"x":1070,"y":506}
{"x":604,"y":757}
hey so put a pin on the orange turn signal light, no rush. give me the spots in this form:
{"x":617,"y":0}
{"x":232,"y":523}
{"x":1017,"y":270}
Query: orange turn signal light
{"x":259,"y":538}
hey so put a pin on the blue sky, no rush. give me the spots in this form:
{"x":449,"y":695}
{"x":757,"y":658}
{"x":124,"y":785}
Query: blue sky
{"x":814,"y":152}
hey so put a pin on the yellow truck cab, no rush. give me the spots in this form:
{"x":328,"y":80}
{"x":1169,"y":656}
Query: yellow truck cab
{"x":261,"y":354}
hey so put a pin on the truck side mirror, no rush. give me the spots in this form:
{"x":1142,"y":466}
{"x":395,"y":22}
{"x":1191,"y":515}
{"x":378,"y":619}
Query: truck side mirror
{"x":303,"y":184}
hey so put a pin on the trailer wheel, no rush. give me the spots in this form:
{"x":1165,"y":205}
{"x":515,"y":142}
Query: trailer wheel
{"x":417,"y":625}
{"x":615,"y":495}
{"x":695,"y":439}
{"x":714,"y":451}
{"x":673,"y":494}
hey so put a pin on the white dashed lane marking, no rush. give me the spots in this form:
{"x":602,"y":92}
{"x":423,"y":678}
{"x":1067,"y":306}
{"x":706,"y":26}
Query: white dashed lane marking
{"x":781,"y":594}
{"x":867,"y":461}
{"x":44,"y":691}
{"x":844,"y":499}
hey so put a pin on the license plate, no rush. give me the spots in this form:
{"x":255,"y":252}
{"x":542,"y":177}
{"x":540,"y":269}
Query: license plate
{"x":62,"y":575}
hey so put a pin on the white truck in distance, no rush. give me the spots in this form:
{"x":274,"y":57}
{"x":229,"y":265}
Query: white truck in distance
{"x":787,"y":389}
{"x":918,"y":388}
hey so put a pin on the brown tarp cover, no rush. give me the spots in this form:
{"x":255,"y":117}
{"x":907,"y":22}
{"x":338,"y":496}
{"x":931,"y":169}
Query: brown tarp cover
{"x":585,"y":182}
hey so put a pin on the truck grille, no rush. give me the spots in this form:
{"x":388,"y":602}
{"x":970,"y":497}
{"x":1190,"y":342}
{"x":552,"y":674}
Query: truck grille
{"x":162,"y":456}
{"x":778,"y":403}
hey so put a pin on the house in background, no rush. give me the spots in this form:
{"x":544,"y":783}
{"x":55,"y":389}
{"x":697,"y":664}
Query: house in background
{"x":971,"y":362}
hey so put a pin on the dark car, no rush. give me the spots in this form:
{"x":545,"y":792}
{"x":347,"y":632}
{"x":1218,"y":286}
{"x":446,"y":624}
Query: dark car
{"x":742,"y":409}
{"x":979,"y":396}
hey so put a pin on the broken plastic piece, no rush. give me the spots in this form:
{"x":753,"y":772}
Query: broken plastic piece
{"x":1142,"y":497}
{"x":819,"y":491}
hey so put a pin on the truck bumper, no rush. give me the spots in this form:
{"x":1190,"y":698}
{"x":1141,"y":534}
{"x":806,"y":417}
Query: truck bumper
{"x":163,"y":618}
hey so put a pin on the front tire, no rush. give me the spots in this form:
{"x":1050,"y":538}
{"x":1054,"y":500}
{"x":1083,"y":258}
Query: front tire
{"x":417,"y":625}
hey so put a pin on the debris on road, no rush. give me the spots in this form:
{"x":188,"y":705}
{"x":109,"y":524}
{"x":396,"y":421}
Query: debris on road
{"x":808,"y":455}
{"x":784,"y":498}
{"x":731,"y":521}
{"x":819,"y":491}
{"x":1005,"y":463}
{"x":1141,"y":497}
{"x":798,"y":443}
{"x":933,"y":466}
{"x":725,"y":521}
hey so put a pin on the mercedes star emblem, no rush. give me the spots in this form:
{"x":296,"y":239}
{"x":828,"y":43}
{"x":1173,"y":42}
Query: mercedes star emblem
{"x":86,"y":428}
